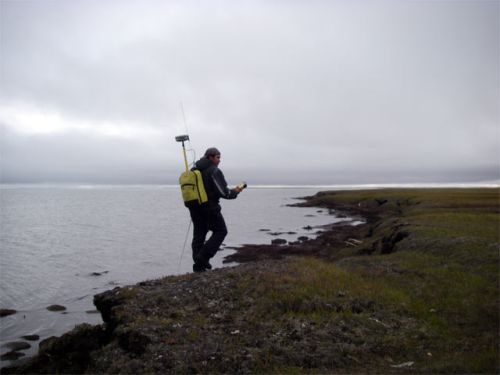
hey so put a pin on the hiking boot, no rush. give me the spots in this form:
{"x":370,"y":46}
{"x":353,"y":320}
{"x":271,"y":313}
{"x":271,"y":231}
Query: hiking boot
{"x":201,"y":262}
{"x":198,"y":267}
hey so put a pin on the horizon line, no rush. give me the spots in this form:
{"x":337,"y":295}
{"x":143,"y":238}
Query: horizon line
{"x":486,"y":184}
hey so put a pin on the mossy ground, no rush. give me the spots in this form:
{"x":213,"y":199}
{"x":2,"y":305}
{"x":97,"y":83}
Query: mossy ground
{"x":444,"y":273}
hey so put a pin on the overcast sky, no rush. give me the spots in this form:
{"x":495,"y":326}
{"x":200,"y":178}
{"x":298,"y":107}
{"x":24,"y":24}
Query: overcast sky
{"x":306,"y":92}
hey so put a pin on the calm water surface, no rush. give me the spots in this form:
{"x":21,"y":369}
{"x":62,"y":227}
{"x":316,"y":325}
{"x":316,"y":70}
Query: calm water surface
{"x":63,"y":245}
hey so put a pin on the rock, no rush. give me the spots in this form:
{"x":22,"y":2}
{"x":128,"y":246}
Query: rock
{"x":278,"y":241}
{"x":11,"y":356}
{"x":303,"y":238}
{"x":68,"y":354}
{"x":308,"y":227}
{"x":17,"y":345}
{"x":31,"y":337}
{"x":56,"y":308}
{"x":92,"y":312}
{"x":98,"y":273}
{"x":106,"y":302}
{"x":264,"y":230}
{"x":6,"y":312}
{"x":275,"y":233}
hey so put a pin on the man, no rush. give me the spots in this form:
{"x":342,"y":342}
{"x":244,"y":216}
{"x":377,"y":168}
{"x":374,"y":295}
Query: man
{"x":208,"y":217}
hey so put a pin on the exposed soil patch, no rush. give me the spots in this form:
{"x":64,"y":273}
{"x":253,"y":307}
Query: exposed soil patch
{"x":333,"y":236}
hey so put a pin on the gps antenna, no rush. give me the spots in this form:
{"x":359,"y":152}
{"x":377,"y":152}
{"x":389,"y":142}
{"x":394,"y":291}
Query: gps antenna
{"x":183,"y":138}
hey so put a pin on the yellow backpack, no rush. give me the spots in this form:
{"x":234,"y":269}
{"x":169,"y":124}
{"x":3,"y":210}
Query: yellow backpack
{"x":192,"y":188}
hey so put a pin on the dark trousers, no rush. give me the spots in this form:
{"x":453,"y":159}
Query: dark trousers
{"x":205,"y":219}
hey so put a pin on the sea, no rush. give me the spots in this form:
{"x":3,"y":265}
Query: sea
{"x":62,"y":244}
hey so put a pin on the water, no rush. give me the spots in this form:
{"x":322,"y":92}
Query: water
{"x":54,"y":240}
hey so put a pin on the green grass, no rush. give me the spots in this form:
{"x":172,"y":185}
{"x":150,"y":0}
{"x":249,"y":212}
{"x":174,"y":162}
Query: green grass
{"x":442,"y":280}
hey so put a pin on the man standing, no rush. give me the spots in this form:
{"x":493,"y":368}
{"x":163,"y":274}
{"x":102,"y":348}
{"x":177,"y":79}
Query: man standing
{"x":208,"y":217}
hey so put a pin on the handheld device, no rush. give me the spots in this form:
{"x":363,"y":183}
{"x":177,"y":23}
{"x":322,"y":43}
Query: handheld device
{"x":243,"y":185}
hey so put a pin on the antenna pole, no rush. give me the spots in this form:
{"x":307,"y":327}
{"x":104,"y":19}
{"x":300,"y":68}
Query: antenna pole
{"x":185,"y":157}
{"x":184,"y":118}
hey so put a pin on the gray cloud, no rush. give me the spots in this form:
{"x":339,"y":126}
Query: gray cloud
{"x":292,"y":92}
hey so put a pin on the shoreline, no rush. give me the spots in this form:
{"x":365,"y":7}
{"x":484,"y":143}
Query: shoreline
{"x":26,"y":320}
{"x":173,"y":324}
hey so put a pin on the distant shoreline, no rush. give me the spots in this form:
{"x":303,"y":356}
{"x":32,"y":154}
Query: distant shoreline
{"x":430,"y":185}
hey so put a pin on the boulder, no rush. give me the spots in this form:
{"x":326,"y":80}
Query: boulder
{"x":31,"y":337}
{"x":11,"y":356}
{"x":56,"y":308}
{"x":17,"y":345}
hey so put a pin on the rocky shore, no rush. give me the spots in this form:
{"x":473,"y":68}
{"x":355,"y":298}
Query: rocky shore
{"x":414,"y":288}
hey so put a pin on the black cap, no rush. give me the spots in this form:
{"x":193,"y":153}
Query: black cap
{"x":212,"y":151}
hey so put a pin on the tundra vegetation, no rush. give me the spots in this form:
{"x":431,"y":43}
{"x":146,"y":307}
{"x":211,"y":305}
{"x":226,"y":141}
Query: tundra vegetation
{"x":413,"y":289}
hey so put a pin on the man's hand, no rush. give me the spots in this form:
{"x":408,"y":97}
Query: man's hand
{"x":240,"y":187}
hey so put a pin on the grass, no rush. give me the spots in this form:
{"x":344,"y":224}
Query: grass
{"x":440,"y":283}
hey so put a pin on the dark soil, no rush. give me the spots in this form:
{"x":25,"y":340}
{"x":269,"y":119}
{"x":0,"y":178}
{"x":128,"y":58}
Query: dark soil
{"x":334,"y":236}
